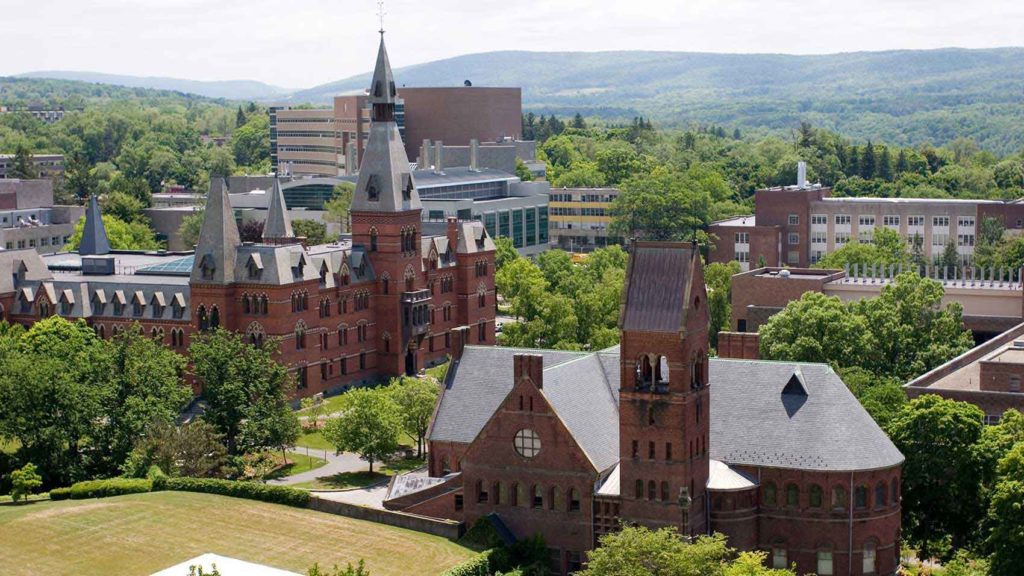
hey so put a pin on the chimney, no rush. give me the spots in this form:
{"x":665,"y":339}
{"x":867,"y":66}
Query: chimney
{"x":452,"y":233}
{"x":460,"y":337}
{"x":425,"y":155}
{"x":801,"y":175}
{"x":439,"y":157}
{"x":474,"y":153}
{"x":530,"y":365}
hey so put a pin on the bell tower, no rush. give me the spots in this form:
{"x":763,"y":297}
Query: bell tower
{"x":386,"y":223}
{"x":664,"y":404}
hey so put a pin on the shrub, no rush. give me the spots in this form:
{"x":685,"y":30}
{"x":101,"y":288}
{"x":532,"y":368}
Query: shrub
{"x":250,"y":490}
{"x":479,"y":564}
{"x":109,"y":487}
{"x":482,"y":536}
{"x":60,"y":493}
{"x":24,"y":481}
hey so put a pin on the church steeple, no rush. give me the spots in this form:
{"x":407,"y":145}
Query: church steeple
{"x":219,"y":240}
{"x":385,"y":181}
{"x":278,"y":226}
{"x":94,"y":233}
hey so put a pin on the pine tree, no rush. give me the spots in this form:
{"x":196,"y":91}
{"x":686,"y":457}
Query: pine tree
{"x":950,"y":259}
{"x":239,"y":117}
{"x":885,"y":165}
{"x":23,"y":166}
{"x":852,"y":167}
{"x":902,"y":164}
{"x":736,"y":134}
{"x":806,"y":135}
{"x":578,"y":122}
{"x":867,"y":162}
{"x":252,"y":108}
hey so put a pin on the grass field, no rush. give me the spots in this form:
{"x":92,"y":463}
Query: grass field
{"x":297,"y":464}
{"x":143,"y":533}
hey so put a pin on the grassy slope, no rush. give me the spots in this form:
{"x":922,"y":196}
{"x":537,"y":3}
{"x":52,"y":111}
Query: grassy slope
{"x":143,"y":533}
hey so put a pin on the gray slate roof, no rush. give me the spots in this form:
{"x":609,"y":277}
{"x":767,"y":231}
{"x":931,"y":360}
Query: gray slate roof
{"x":657,"y":290}
{"x":218,"y":239}
{"x":94,"y":233}
{"x":752,"y":422}
{"x":278,"y":224}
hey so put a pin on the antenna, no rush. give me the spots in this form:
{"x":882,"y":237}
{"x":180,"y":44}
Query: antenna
{"x":380,"y":15}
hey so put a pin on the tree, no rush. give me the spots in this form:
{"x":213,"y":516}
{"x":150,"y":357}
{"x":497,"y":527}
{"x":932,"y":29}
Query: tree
{"x":639,"y":551}
{"x":124,"y":207}
{"x":369,"y":425}
{"x":78,"y":178}
{"x":1006,"y":538}
{"x":314,"y":232}
{"x":505,"y":252}
{"x":885,"y":165}
{"x":942,"y":473}
{"x":868,"y":168}
{"x":416,"y":399}
{"x":190,"y":227}
{"x":816,"y":328}
{"x":950,"y":260}
{"x":249,"y":231}
{"x":240,"y":118}
{"x":24,"y":482}
{"x":887,"y":248}
{"x":194,"y":450}
{"x":122,"y":235}
{"x":523,"y":171}
{"x":251,"y":142}
{"x":578,"y":122}
{"x":221,"y":164}
{"x":358,"y":570}
{"x":718,"y":278}
{"x":339,"y":207}
{"x":245,"y":388}
{"x":23,"y":167}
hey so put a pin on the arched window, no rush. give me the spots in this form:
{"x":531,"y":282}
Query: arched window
{"x":554,"y":497}
{"x":385,"y":281}
{"x":513,"y":494}
{"x":881,"y":496}
{"x":816,"y":496}
{"x":101,"y":331}
{"x":538,"y":496}
{"x":664,"y":491}
{"x":300,"y":335}
{"x":203,"y":319}
{"x":895,"y":491}
{"x":825,"y":564}
{"x":870,"y":560}
{"x":860,"y":497}
{"x":652,"y":490}
{"x":838,"y":497}
{"x":574,"y":500}
{"x":499,"y":494}
{"x":770,"y":497}
{"x":214,"y":318}
{"x":481,"y":491}
{"x":792,"y":496}
{"x":780,"y":558}
{"x":373,"y":237}
{"x":638,"y":490}
{"x":481,"y":296}
{"x":246,"y":304}
{"x":446,"y":467}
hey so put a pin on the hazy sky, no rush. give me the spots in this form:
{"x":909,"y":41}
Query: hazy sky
{"x":301,"y":43}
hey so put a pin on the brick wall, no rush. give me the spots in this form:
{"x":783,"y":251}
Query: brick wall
{"x":740,"y":345}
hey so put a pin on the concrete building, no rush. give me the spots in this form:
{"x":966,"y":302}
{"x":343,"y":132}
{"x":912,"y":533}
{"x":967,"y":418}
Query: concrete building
{"x":777,"y":456}
{"x":798,"y":225}
{"x":47,"y":165}
{"x":988,"y":376}
{"x":29,"y":220}
{"x":580,"y":218}
{"x":47,"y":114}
{"x":384,"y":302}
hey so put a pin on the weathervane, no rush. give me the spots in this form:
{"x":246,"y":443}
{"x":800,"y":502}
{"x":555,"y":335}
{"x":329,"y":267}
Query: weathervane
{"x":380,"y":15}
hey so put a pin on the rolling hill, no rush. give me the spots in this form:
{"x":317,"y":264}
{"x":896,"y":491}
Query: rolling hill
{"x":229,"y":89}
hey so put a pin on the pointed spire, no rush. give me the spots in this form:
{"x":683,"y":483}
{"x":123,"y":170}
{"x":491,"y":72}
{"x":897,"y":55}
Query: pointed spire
{"x":385,"y":181}
{"x":278,"y":225}
{"x":94,"y":233}
{"x":218,"y":244}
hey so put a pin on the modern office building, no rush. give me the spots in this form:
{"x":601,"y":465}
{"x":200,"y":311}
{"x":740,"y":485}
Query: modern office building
{"x":580,"y":218}
{"x":389,"y":300}
{"x":778,"y":456}
{"x":798,"y":225}
{"x":29,"y":220}
{"x":47,"y":114}
{"x":47,"y":165}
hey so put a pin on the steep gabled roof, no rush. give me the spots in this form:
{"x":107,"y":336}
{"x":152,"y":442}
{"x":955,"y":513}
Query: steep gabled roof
{"x":278,"y":225}
{"x":94,"y":233}
{"x":218,"y":240}
{"x":657,"y":287}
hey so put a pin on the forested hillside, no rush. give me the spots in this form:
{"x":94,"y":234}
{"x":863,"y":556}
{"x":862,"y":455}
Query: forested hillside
{"x":900,"y":97}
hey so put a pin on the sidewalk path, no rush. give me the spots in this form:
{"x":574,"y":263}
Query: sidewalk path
{"x":371,"y":496}
{"x":336,"y":464}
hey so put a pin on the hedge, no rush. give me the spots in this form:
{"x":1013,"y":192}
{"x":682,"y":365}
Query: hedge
{"x":60,"y":493}
{"x":251,"y":490}
{"x":479,"y":565}
{"x":109,"y":487}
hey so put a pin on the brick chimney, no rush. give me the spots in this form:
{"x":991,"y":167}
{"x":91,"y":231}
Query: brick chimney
{"x":530,"y":365}
{"x":452,"y":233}
{"x":460,"y":337}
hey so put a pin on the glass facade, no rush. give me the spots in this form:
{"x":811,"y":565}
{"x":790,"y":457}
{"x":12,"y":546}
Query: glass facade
{"x":491,"y":223}
{"x":531,"y":227}
{"x":308,"y":196}
{"x":542,"y":221}
{"x":503,"y":228}
{"x":517,"y":228}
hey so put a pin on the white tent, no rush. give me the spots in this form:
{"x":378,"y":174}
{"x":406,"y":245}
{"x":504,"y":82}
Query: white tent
{"x":226,"y":566}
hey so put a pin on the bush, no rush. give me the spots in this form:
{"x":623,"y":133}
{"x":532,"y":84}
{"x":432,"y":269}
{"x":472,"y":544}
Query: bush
{"x":479,"y":564}
{"x":60,"y":493}
{"x":109,"y":487}
{"x":250,"y":490}
{"x":482,"y":536}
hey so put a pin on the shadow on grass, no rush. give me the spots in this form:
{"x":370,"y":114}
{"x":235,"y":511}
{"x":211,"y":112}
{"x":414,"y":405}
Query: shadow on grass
{"x":298,"y":463}
{"x":363,"y":478}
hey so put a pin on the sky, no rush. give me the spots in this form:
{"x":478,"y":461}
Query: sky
{"x":303,"y":43}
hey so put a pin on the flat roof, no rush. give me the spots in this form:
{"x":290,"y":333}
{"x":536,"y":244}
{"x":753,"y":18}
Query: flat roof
{"x":873,"y":200}
{"x":963,"y":373}
{"x":737,"y":221}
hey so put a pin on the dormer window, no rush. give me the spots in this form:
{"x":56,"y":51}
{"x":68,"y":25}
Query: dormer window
{"x":378,"y":89}
{"x":373,"y":188}
{"x":406,"y":187}
{"x":254,"y":267}
{"x":207,"y":267}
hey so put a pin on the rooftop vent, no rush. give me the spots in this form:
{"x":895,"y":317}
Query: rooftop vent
{"x":1018,"y":344}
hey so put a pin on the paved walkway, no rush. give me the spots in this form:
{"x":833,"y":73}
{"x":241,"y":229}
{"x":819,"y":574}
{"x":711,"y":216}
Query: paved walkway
{"x":336,"y":464}
{"x":371,"y":497}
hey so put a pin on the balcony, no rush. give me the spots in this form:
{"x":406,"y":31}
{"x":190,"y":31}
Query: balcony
{"x":415,"y":313}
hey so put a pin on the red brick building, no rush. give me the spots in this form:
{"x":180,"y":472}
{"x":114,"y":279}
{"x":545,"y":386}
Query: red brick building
{"x":778,"y":456}
{"x":384,"y":303}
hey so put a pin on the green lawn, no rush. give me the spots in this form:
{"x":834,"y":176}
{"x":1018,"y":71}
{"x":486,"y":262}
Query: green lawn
{"x":314,"y":440}
{"x":348,"y":480}
{"x":144,"y":533}
{"x":330,"y":405}
{"x":298,"y":463}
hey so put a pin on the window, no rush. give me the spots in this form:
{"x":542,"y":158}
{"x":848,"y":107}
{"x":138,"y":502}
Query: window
{"x":481,"y":491}
{"x":769,"y":494}
{"x":538,"y":496}
{"x":913,"y":221}
{"x":842,"y":238}
{"x":965,"y":222}
{"x":743,"y":237}
{"x":965,"y":240}
{"x":940,"y":221}
{"x":527,"y":443}
{"x":825,"y":563}
{"x":870,"y":552}
{"x":650,"y":450}
{"x":793,"y":257}
{"x":816,"y":496}
{"x":792,"y":496}
{"x":839,"y":497}
{"x":794,"y":220}
{"x":819,"y":219}
{"x":819,"y":238}
{"x":574,"y":500}
{"x":794,"y":238}
{"x":638,"y":490}
{"x":779,"y":558}
{"x":743,"y":256}
{"x":1014,"y":383}
{"x":860,"y":496}
{"x":939,"y":239}
{"x":668,"y":451}
{"x":881,"y":498}
{"x":891,"y":220}
{"x":866,"y":220}
{"x":842,"y":219}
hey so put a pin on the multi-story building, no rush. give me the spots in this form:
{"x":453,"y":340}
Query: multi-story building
{"x":46,"y":165}
{"x":798,"y":225}
{"x":385,"y":302}
{"x":778,"y":456}
{"x":29,"y":220}
{"x":47,"y":114}
{"x":580,"y":218}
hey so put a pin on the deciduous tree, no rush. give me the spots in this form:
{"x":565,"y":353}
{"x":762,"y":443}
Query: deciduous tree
{"x":369,"y":425}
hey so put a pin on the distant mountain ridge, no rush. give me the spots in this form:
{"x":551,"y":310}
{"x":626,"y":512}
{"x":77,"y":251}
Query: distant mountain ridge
{"x":229,"y":89}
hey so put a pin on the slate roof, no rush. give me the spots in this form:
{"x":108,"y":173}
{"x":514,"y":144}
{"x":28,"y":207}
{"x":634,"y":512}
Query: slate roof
{"x":218,"y":240}
{"x":657,"y":289}
{"x":752,"y":421}
{"x":278,"y":225}
{"x":94,"y":234}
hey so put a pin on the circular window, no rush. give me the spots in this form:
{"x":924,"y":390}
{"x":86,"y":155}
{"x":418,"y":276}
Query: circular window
{"x":527,"y":443}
